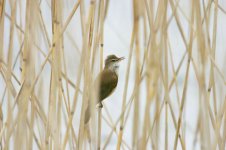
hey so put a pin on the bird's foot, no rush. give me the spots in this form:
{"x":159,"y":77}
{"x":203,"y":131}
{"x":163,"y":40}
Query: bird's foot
{"x":100,"y":105}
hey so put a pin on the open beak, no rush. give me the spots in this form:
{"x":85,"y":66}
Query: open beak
{"x":121,"y":58}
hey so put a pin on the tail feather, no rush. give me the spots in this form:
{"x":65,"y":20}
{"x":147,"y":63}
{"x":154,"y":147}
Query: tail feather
{"x":87,"y":114}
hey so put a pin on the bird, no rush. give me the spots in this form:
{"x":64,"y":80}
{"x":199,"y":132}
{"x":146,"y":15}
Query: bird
{"x":106,"y":82}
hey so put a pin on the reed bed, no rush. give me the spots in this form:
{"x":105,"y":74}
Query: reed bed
{"x":172,"y":86}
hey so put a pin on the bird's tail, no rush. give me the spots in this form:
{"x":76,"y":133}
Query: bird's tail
{"x":88,"y":111}
{"x":87,"y":114}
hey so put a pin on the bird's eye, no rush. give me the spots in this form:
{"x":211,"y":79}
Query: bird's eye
{"x":114,"y":60}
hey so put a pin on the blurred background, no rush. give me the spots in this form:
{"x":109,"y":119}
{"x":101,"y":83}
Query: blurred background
{"x":171,"y":92}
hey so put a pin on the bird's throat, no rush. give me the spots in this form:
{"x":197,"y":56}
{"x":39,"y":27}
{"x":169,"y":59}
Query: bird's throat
{"x":113,"y":67}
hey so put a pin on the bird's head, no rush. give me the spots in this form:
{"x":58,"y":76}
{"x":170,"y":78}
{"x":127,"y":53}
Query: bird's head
{"x":112,"y":62}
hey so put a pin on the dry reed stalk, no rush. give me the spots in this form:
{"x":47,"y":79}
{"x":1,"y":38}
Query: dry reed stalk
{"x":55,"y":97}
{"x":128,"y":106}
{"x":41,"y":51}
{"x":87,"y":43}
{"x":101,"y":43}
{"x":28,"y":123}
{"x":2,"y":18}
{"x":9,"y":65}
{"x":125,"y":91}
{"x":164,"y":38}
{"x":153,"y":70}
{"x":173,"y":81}
{"x":137,"y":16}
{"x":189,"y":50}
{"x":28,"y":74}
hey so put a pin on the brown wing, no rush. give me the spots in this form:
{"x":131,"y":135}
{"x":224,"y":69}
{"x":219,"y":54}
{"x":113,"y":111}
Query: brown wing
{"x":107,"y":82}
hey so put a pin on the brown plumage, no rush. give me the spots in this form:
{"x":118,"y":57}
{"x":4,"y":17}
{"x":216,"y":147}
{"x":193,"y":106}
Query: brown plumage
{"x":106,"y":82}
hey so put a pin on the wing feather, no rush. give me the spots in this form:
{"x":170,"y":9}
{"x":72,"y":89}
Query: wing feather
{"x":107,"y":81}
